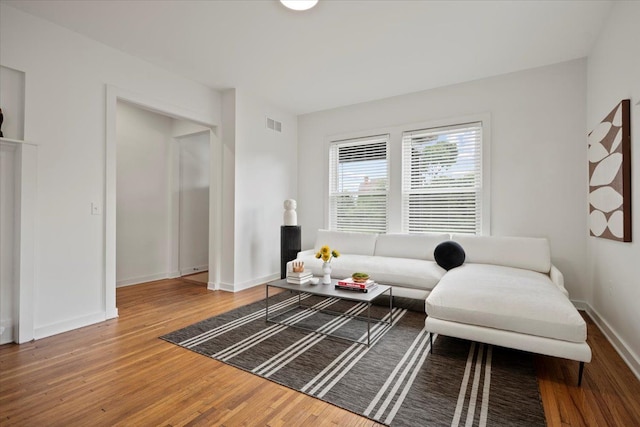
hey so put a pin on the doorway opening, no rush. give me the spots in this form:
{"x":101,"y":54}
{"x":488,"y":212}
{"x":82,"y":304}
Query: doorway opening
{"x":162,"y":196}
{"x":185,"y":124}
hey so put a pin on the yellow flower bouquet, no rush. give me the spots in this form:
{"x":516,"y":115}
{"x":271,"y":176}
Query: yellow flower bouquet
{"x":326,"y":254}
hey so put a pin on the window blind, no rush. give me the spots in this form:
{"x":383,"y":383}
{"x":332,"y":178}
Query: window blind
{"x":359,"y":184}
{"x":442,"y":179}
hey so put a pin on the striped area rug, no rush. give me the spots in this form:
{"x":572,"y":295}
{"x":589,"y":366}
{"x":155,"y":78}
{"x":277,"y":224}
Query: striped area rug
{"x":399,"y":380}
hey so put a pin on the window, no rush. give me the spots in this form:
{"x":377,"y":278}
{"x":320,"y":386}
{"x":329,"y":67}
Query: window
{"x":359,"y":184}
{"x":442,"y":179}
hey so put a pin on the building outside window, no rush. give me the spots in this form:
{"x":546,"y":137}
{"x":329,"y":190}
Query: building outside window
{"x":359,"y":184}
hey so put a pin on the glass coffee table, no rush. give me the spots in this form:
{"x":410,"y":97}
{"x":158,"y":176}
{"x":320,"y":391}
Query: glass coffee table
{"x":329,"y":291}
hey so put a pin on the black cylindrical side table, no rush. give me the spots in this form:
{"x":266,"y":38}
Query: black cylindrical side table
{"x":290,"y":245}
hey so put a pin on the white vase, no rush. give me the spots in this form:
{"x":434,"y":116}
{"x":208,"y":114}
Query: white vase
{"x":326,"y":273}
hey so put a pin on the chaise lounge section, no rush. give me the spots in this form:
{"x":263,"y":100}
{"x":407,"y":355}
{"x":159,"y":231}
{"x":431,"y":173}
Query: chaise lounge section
{"x":508,"y":293}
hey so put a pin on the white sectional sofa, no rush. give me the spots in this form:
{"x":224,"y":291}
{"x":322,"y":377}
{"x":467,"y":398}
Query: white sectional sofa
{"x":506,"y":293}
{"x":404,"y":261}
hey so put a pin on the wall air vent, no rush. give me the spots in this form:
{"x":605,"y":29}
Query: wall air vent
{"x":274,"y":125}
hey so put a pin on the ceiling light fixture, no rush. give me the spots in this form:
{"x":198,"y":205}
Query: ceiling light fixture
{"x":299,"y":4}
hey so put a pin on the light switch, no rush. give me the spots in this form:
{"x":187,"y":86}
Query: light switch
{"x":96,"y":209}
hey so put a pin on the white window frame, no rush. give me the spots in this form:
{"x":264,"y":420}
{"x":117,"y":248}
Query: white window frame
{"x":484,"y":200}
{"x":355,"y":141}
{"x":394,"y":153}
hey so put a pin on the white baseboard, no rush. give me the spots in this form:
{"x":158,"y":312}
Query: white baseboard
{"x":193,"y":270}
{"x":230,"y":287}
{"x":628,"y":356}
{"x":256,"y":282}
{"x":227,"y":287}
{"x":68,"y":325}
{"x":580,"y":305}
{"x":143,"y":279}
{"x":212,"y":286}
{"x":112,"y":314}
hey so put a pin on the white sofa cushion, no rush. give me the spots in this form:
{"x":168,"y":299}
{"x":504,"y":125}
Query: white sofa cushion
{"x":416,"y":246}
{"x":506,"y":298}
{"x":529,"y":253}
{"x":347,"y":242}
{"x":402,"y":272}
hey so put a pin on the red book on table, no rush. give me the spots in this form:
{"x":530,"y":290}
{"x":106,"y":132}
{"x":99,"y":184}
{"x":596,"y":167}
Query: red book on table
{"x":349,"y":282}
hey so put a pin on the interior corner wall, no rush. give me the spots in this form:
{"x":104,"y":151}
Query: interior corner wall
{"x":143,"y":199}
{"x":613,"y":75}
{"x":265,"y":172}
{"x":66,"y":76}
{"x":538,"y":170}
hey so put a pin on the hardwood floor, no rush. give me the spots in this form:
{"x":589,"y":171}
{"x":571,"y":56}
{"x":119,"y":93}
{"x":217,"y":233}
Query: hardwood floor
{"x":198,"y":278}
{"x":609,"y":395}
{"x":119,"y":373}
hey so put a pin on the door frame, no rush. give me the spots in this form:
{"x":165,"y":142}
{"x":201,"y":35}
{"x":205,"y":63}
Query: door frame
{"x":113,"y":95}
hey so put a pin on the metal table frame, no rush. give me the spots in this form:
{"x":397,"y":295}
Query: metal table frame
{"x":329,"y":291}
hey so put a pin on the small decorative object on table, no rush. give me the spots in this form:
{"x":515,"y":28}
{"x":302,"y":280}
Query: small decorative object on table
{"x":299,"y":277}
{"x":326,"y":254}
{"x":298,"y":266}
{"x":360,"y":277}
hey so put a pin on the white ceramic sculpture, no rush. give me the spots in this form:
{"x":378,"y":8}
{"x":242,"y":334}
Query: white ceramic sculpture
{"x":290,"y":215}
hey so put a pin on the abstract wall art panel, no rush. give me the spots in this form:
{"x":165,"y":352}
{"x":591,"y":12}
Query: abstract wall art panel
{"x":610,"y":176}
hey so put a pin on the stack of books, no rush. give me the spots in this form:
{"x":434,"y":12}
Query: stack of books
{"x":298,"y":278}
{"x":349,"y":284}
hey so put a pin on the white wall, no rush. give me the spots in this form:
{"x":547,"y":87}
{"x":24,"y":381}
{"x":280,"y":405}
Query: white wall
{"x":193,"y":215}
{"x":12,"y":102}
{"x":227,"y":273}
{"x":65,"y":77}
{"x":538,"y":170}
{"x":613,"y":75}
{"x":265,"y":175}
{"x":143,"y":195}
{"x":196,"y":254}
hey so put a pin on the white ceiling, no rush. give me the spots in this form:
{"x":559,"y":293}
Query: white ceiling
{"x":341,"y":52}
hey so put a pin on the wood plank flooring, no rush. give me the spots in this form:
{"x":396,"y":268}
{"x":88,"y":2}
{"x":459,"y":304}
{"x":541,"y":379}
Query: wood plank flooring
{"x":197,"y":278}
{"x":119,"y":373}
